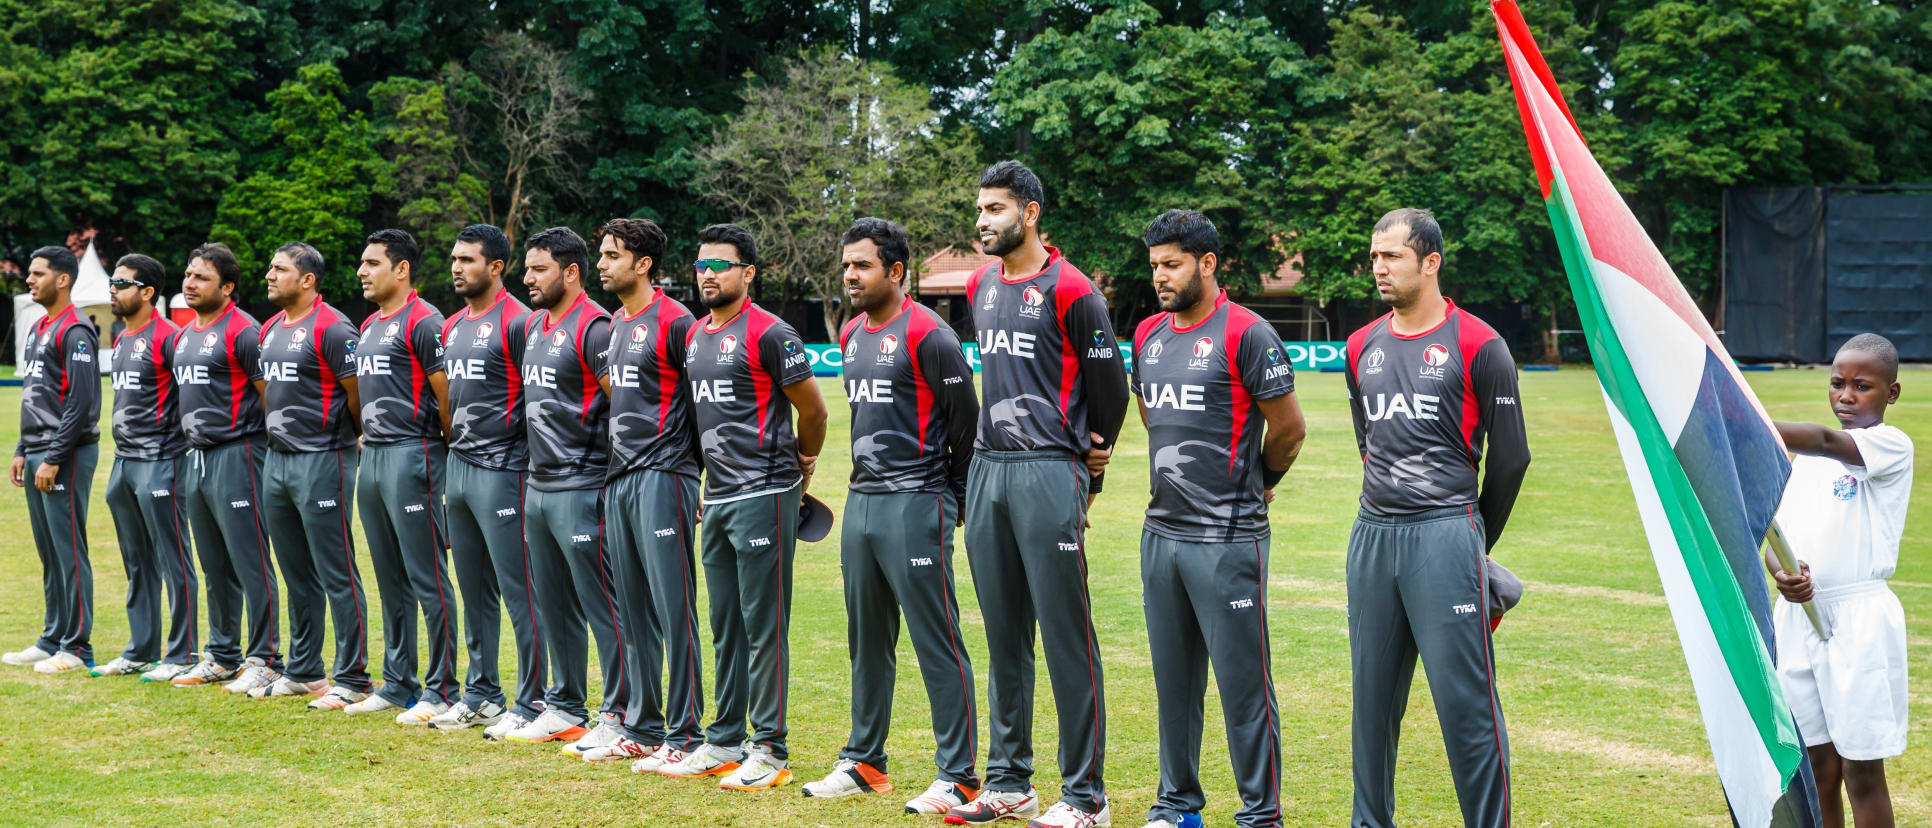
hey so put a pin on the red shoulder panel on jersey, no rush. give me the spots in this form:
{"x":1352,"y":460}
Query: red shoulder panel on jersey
{"x":164,"y":336}
{"x":587,"y":312}
{"x":757,"y":321}
{"x":1146,"y":327}
{"x":1357,"y":339}
{"x":1239,"y":320}
{"x":972,"y":282}
{"x":1471,"y":335}
{"x":845,"y":331}
{"x":1069,"y":284}
{"x":919,"y":323}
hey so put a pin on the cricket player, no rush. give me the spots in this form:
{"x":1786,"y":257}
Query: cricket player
{"x":1217,"y":396}
{"x":1428,"y":385}
{"x":914,"y":417}
{"x":60,"y":412}
{"x":1054,"y":394}
{"x":747,"y":370}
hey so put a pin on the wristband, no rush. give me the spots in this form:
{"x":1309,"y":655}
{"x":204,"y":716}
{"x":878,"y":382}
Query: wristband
{"x":1269,"y":477}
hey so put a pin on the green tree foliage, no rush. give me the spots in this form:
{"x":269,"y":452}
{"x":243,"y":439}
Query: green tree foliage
{"x":316,"y":184}
{"x":435,"y":196}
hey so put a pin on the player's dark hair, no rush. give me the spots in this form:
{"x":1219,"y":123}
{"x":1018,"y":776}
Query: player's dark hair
{"x":305,"y":257}
{"x":59,"y":260}
{"x":399,"y":246}
{"x":1879,"y":347}
{"x":1425,"y":235}
{"x":889,"y":236}
{"x":734,"y":235}
{"x":564,"y":245}
{"x":219,"y":257}
{"x":1188,"y":228}
{"x":641,"y":237}
{"x":145,"y":268}
{"x":496,"y":246}
{"x":1017,"y":179}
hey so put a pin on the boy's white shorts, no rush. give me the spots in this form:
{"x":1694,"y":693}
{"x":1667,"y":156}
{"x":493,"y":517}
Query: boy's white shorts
{"x":1849,"y":691}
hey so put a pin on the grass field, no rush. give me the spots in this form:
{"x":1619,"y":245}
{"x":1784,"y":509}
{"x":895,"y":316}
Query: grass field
{"x":1603,"y":725}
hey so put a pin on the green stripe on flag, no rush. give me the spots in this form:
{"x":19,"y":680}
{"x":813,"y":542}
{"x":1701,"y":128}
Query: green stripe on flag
{"x":1745,"y":655}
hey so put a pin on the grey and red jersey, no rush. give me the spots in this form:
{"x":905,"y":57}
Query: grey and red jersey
{"x":60,"y":395}
{"x":394,"y":360}
{"x":215,"y":369}
{"x":147,"y":410}
{"x":483,"y":361}
{"x":1201,"y":386}
{"x":737,"y":373}
{"x":564,"y":409}
{"x":1423,"y":407}
{"x":1050,"y":370}
{"x":303,"y":362}
{"x":914,"y":416}
{"x":650,"y":408}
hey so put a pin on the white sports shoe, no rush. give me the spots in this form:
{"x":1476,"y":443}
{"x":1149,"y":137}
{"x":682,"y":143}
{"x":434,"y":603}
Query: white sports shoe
{"x":61,"y":662}
{"x":1062,"y":815}
{"x":548,"y":727}
{"x":121,"y":666}
{"x":285,"y":687}
{"x":338,"y":698}
{"x":255,"y":673}
{"x":1160,"y":823}
{"x":706,"y":760}
{"x":847,"y":778}
{"x":993,"y":805}
{"x":664,"y":756}
{"x":164,"y":673}
{"x":603,"y":735}
{"x":623,"y":748}
{"x":371,"y":703}
{"x":27,"y":657}
{"x":759,"y":771}
{"x":421,"y":713}
{"x":204,"y":673}
{"x":510,"y":721}
{"x":461,"y":715}
{"x":941,"y":796}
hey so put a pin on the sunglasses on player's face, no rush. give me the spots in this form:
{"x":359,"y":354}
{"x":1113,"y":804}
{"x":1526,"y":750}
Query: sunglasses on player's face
{"x":124,"y":284}
{"x":716,"y":265}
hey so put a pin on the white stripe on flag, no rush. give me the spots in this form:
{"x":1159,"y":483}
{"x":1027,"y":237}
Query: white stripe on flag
{"x":1665,"y":354}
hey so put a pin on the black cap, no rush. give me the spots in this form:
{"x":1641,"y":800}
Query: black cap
{"x":1505,"y":589}
{"x":814,"y":519}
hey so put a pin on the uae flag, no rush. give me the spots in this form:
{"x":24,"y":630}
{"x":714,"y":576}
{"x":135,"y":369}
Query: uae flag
{"x":1705,"y":464}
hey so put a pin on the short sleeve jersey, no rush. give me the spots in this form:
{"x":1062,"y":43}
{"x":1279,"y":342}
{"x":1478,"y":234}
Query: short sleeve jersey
{"x":565,"y":412}
{"x":483,"y":360}
{"x":1201,"y":386}
{"x":650,"y":408}
{"x":394,"y":360}
{"x":893,"y":378}
{"x":60,"y":395}
{"x":216,"y":368}
{"x":147,"y":411}
{"x":1417,"y":402}
{"x":1846,"y":521}
{"x":1033,"y":333}
{"x":304,"y":362}
{"x":737,"y":373}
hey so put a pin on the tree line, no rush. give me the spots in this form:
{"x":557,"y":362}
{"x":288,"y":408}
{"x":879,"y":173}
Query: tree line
{"x":155,"y":125}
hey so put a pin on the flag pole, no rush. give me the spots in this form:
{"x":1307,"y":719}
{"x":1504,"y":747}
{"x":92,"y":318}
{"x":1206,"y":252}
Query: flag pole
{"x":1782,"y":548}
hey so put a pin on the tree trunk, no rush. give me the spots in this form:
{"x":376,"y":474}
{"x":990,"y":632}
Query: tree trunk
{"x":835,"y":317}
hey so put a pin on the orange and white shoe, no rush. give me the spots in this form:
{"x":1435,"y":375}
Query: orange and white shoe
{"x":849,"y":778}
{"x":338,"y":698}
{"x":255,"y":673}
{"x":61,"y":662}
{"x":548,"y":727}
{"x":993,"y":806}
{"x":706,"y":760}
{"x":941,"y":796}
{"x":760,"y":771}
{"x":205,"y":673}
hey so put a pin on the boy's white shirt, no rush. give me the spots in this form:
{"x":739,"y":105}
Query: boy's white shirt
{"x":1845,"y":521}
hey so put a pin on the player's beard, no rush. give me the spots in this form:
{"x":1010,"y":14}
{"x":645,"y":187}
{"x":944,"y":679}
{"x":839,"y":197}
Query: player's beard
{"x":547,"y":298}
{"x":1007,"y":240}
{"x":209,"y":302}
{"x":115,"y":307}
{"x":721,"y":298}
{"x":473,"y":286}
{"x":1187,"y":295}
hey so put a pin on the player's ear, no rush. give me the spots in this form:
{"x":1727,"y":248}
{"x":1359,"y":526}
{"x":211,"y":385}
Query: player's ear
{"x":1432,"y":264}
{"x":1209,"y":263}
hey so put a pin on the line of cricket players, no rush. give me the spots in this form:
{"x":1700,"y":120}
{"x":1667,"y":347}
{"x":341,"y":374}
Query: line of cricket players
{"x":549,"y":456}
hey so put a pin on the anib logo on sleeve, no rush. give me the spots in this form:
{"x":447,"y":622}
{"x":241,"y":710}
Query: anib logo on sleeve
{"x":1434,"y":358}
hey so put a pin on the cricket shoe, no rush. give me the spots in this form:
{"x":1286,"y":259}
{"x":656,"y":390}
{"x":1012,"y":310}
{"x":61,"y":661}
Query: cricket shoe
{"x":121,"y":666}
{"x":548,"y":727}
{"x":510,"y":721}
{"x":992,"y":806}
{"x":421,"y":713}
{"x":27,"y":657}
{"x":760,"y":771}
{"x":603,"y":735}
{"x":706,"y":760}
{"x":285,"y":687}
{"x":461,"y":716}
{"x":165,"y":672}
{"x":61,"y":662}
{"x":623,"y":748}
{"x":371,"y":703}
{"x":1062,"y":815}
{"x":204,"y":673}
{"x":663,"y":757}
{"x":941,"y":796}
{"x":255,"y":673}
{"x":1187,"y":821}
{"x":338,"y":698}
{"x":847,"y":779}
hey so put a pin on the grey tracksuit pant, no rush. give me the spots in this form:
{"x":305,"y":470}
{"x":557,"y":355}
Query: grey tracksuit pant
{"x":649,"y":520}
{"x":896,"y":551}
{"x":1025,"y":539}
{"x":491,"y":564}
{"x":401,"y":492}
{"x":1416,"y":585}
{"x":571,"y":573}
{"x":1206,"y":603}
{"x":145,"y":502}
{"x":224,"y":495}
{"x":748,"y":548}
{"x":59,"y":522}
{"x":306,"y":500}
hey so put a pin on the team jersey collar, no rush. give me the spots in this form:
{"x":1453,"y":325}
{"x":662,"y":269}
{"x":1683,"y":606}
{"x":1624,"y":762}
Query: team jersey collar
{"x":399,"y":308}
{"x":292,"y":321}
{"x":49,"y":321}
{"x":748,"y":305}
{"x":1220,"y":301}
{"x":152,"y":318}
{"x":1053,"y":259}
{"x":1447,"y":314}
{"x":502,"y":295}
{"x":548,"y":326}
{"x":228,"y":309}
{"x":905,"y":304}
{"x":656,"y":294}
